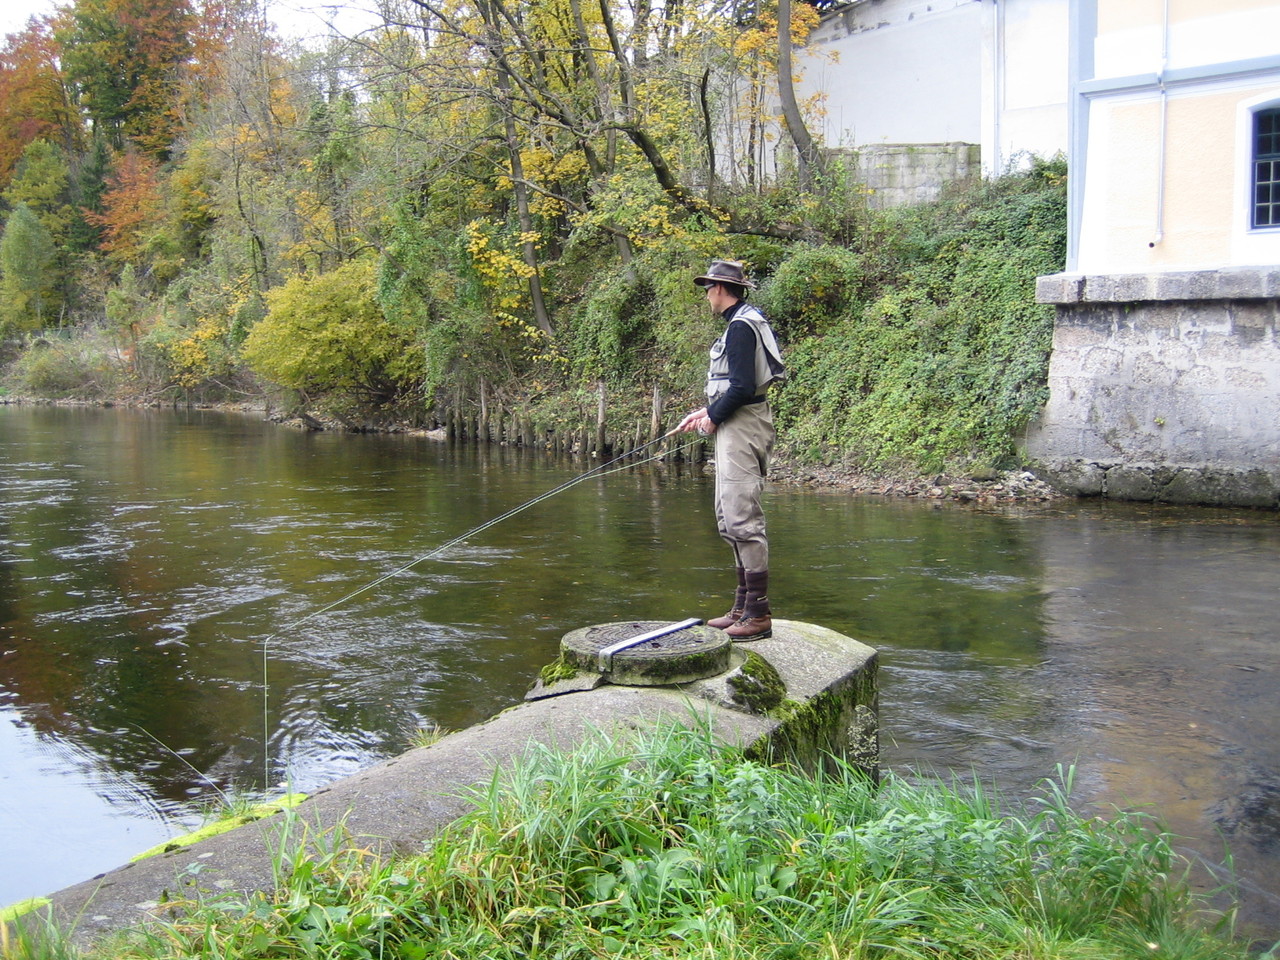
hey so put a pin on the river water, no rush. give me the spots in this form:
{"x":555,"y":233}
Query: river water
{"x":156,"y":566}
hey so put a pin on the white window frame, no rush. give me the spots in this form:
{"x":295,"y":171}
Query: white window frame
{"x":1251,"y":246}
{"x":1274,"y":182}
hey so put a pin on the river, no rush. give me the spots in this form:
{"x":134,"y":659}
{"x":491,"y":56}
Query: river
{"x":156,"y":566}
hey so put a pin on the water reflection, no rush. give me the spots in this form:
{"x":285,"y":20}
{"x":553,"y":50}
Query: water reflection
{"x":147,"y":560}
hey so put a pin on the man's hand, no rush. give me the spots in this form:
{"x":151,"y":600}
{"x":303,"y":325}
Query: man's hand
{"x":698,"y":420}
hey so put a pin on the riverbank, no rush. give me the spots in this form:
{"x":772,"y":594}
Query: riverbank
{"x":982,"y":487}
{"x":979,"y":487}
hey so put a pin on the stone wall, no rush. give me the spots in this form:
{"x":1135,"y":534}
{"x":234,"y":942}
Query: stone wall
{"x":1164,"y":387}
{"x":903,"y":174}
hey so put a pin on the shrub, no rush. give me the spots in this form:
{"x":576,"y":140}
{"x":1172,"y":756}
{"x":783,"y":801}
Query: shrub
{"x":325,"y":336}
{"x":85,"y":368}
{"x":813,"y":289}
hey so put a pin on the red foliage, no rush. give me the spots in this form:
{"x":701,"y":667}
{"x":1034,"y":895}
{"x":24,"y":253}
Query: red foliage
{"x":131,"y":207}
{"x":33,"y":95}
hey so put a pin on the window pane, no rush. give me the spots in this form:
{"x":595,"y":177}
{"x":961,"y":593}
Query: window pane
{"x":1266,"y":168}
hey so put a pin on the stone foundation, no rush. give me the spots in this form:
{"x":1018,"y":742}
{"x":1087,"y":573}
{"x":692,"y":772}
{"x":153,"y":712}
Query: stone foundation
{"x":1164,"y":387}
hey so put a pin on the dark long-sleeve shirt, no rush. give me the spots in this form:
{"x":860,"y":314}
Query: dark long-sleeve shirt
{"x":740,"y":349}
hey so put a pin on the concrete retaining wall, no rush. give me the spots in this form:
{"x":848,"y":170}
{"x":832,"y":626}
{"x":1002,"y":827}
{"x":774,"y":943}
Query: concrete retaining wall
{"x":904,"y":174}
{"x":1164,"y":387}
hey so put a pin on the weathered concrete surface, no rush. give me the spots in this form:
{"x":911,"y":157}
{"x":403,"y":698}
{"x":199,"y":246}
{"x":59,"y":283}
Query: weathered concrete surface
{"x":905,"y":174}
{"x":396,"y":806}
{"x":1164,"y":387}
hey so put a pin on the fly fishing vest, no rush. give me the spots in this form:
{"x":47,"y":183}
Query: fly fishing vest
{"x":769,"y":366}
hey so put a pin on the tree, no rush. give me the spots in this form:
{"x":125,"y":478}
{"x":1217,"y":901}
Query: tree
{"x":34,"y":101}
{"x":807,"y":150}
{"x":131,"y":208}
{"x":249,"y":131}
{"x":41,"y":182}
{"x":26,"y":253}
{"x":41,"y":186}
{"x":89,"y":184}
{"x":326,"y":197}
{"x":126,"y":60}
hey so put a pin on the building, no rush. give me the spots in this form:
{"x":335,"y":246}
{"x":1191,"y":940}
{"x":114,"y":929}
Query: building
{"x":925,"y":92}
{"x":1165,"y":375}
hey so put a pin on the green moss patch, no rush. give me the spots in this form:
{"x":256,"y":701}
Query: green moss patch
{"x":757,"y":685}
{"x":557,"y":670}
{"x":22,"y":908}
{"x":224,"y":825}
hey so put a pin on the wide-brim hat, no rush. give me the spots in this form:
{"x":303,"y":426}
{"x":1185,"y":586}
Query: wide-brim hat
{"x":725,"y":271}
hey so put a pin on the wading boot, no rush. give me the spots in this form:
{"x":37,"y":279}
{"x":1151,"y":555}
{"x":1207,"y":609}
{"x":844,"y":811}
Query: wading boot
{"x":757,"y":619}
{"x":728,"y":620}
{"x":752,"y":628}
{"x":739,"y":599}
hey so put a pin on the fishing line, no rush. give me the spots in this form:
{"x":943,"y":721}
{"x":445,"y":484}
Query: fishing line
{"x":183,"y":760}
{"x":603,"y":470}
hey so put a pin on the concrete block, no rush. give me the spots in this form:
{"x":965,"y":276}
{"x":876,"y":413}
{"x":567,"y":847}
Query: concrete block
{"x":1203,"y":285}
{"x":1171,"y":286}
{"x":1216,"y":486}
{"x":1131,"y":482}
{"x":1077,"y":478}
{"x":1098,"y":289}
{"x":1132,"y":288}
{"x":1059,"y":288}
{"x":1238,"y":284}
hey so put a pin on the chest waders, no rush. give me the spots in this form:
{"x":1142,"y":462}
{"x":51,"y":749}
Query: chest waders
{"x":744,"y":443}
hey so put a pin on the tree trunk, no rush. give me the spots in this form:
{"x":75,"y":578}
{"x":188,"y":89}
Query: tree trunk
{"x":810,"y":156}
{"x":601,"y":439}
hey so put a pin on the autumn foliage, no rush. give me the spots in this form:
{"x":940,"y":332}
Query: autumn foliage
{"x":454,"y":201}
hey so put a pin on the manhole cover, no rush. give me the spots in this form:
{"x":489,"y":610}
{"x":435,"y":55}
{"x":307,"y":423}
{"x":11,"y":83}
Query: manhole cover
{"x":648,"y":653}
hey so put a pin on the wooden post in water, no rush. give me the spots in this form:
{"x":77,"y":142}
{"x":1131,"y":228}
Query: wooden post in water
{"x":655,"y":418}
{"x":602,"y":445}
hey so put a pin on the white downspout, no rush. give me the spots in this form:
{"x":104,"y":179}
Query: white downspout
{"x":997,"y":81}
{"x":1164,"y":127}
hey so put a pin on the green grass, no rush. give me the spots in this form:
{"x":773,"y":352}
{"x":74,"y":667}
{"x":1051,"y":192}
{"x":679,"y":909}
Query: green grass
{"x":667,"y":847}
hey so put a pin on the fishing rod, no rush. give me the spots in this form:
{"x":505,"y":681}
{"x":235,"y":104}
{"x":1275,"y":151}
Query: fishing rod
{"x":596,"y":472}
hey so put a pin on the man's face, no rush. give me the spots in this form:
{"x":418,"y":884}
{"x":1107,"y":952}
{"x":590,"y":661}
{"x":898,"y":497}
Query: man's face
{"x":719,"y":298}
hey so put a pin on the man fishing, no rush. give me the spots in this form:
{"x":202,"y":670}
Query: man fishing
{"x":745,"y":360}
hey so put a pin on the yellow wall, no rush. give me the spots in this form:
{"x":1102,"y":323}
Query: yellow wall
{"x":1119,"y":15}
{"x":1201,"y":209}
{"x":1202,"y":222}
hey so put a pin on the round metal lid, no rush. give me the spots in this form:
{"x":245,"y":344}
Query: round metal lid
{"x":648,"y":653}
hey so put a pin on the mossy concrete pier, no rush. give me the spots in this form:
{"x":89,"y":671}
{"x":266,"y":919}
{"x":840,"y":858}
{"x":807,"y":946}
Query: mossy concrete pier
{"x":806,"y":693}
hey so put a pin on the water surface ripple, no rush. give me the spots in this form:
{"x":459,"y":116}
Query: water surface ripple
{"x":146,"y":558}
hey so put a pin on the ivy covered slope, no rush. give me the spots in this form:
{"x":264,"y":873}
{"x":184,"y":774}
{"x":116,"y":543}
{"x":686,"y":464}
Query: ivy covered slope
{"x":924,"y":350}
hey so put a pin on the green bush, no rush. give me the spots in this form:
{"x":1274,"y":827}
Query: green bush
{"x":326,"y":337}
{"x":813,"y":289}
{"x":612,"y":335}
{"x":85,"y":368}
